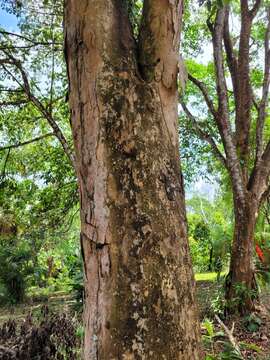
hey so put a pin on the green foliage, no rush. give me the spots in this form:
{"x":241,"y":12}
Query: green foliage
{"x":38,"y":189}
{"x":241,"y":293}
{"x":252,"y":322}
{"x":210,"y":233}
{"x":209,"y":339}
{"x":197,"y":50}
{"x":135,"y":10}
{"x":218,"y":302}
{"x":16,"y":266}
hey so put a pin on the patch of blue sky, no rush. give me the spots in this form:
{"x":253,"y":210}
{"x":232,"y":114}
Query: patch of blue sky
{"x":8,"y":21}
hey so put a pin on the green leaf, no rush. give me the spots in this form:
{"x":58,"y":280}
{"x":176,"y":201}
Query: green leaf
{"x":209,"y":327}
{"x":251,"y":346}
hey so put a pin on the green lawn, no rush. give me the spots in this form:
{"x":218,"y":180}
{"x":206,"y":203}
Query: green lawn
{"x":209,"y":276}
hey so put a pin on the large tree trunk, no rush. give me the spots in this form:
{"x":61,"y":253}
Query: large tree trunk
{"x":139,"y":287}
{"x":241,"y":284}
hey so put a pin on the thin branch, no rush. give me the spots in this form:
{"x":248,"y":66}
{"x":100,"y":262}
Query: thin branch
{"x":10,"y":90}
{"x":34,"y":43}
{"x":13,"y":146}
{"x":26,"y":87}
{"x":13,"y":103}
{"x":70,"y":222}
{"x":203,"y":135}
{"x":202,"y":87}
{"x":255,"y":102}
{"x":13,"y":47}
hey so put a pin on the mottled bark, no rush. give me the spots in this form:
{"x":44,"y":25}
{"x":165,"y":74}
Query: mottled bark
{"x":139,"y":287}
{"x":243,"y":94}
{"x":241,"y":284}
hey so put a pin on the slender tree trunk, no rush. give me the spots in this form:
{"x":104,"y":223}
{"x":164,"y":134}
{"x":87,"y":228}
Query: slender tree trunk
{"x":210,"y":264}
{"x":241,"y":285}
{"x":139,"y":286}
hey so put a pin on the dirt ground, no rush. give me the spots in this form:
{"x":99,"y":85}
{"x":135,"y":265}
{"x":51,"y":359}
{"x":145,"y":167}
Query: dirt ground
{"x":250,"y":333}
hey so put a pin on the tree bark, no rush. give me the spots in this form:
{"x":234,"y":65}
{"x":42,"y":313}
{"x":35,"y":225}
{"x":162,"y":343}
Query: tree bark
{"x":241,"y":284}
{"x":139,"y":286}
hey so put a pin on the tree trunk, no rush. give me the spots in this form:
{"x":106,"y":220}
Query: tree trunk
{"x":210,"y":264}
{"x":240,"y":284}
{"x":139,"y":286}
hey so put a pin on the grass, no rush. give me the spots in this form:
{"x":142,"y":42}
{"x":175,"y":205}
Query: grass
{"x":209,"y":276}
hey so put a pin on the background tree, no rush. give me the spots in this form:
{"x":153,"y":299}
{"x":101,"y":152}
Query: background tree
{"x":123,"y":102}
{"x":238,"y":134}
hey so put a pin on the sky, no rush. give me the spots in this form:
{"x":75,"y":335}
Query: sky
{"x":7,"y":21}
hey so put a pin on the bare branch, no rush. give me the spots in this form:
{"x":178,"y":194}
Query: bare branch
{"x":203,"y":135}
{"x":13,"y":146}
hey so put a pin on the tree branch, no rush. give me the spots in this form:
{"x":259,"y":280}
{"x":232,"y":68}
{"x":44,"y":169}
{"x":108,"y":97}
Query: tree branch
{"x":254,"y":10}
{"x":13,"y":103}
{"x":4,"y":167}
{"x":159,"y":40}
{"x":244,"y":92}
{"x":201,"y":86}
{"x":265,"y":93}
{"x":229,"y":333}
{"x":230,"y":57}
{"x":223,"y":120}
{"x":203,"y":135}
{"x":34,"y":43}
{"x":13,"y":146}
{"x":265,"y":195}
{"x":26,"y":87}
{"x":259,"y":177}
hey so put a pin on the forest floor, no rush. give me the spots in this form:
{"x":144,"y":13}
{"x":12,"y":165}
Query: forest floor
{"x":251,"y":334}
{"x":57,"y":302}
